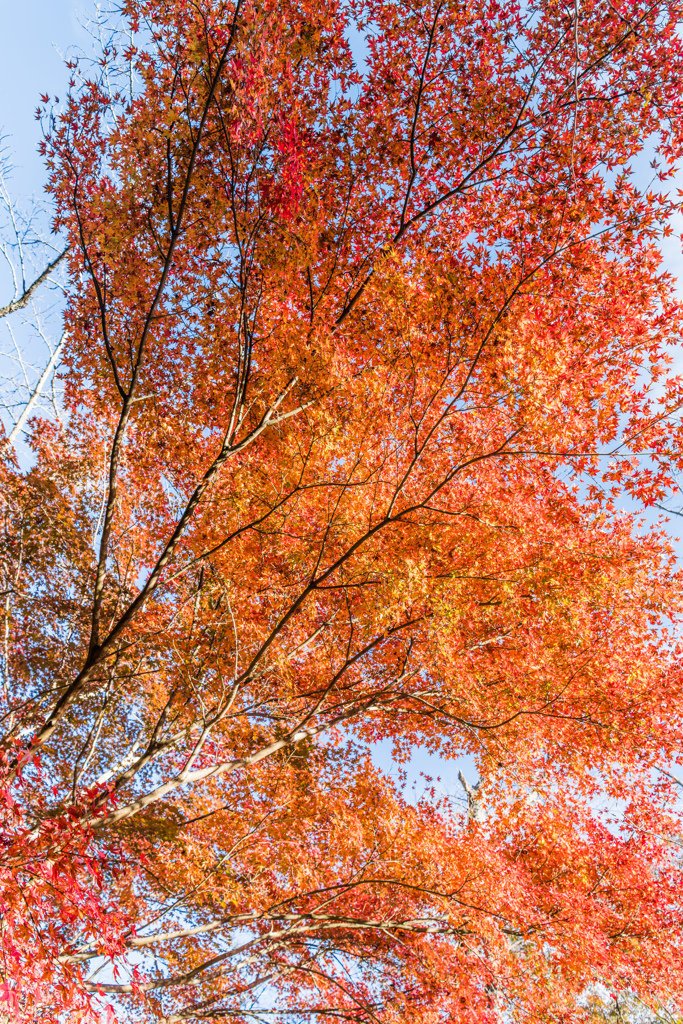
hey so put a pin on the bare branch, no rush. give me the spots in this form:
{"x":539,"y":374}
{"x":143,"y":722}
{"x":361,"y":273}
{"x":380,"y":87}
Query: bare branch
{"x":26,"y":297}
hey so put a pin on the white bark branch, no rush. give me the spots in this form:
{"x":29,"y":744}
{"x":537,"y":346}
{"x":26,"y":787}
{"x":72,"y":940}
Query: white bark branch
{"x":37,"y":391}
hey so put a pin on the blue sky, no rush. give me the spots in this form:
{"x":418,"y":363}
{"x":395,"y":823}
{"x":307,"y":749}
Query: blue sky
{"x":34,"y":34}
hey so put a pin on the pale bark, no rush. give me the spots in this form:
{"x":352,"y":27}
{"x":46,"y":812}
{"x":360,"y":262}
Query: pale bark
{"x":37,"y":391}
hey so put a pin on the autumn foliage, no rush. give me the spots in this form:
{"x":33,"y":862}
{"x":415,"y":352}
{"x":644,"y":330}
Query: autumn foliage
{"x":369,"y":371}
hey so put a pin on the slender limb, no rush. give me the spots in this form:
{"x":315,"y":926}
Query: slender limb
{"x":37,"y":392}
{"x":28,"y":293}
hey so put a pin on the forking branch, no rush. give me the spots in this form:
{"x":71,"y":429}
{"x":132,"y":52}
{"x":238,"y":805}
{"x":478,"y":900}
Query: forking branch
{"x":31,"y":267}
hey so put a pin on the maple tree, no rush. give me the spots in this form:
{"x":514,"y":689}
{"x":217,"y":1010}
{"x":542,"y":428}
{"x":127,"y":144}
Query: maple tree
{"x":363,"y":360}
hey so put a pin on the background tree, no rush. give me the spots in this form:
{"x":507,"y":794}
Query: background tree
{"x":372,"y":357}
{"x":28,"y":352}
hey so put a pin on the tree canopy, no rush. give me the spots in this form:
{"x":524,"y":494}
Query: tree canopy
{"x":369,"y":365}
